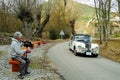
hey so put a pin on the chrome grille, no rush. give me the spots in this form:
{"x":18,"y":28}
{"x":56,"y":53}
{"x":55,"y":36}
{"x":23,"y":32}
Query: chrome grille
{"x":88,"y":45}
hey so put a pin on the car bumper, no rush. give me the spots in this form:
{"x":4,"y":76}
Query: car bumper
{"x":88,"y":53}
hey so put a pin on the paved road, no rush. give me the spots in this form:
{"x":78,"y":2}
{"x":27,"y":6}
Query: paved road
{"x":83,"y":68}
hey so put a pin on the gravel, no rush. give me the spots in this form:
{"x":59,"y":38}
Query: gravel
{"x":45,"y":70}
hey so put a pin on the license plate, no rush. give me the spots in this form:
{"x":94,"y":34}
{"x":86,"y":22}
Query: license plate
{"x":88,"y":53}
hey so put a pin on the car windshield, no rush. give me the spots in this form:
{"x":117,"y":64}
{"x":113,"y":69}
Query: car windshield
{"x":84,"y":38}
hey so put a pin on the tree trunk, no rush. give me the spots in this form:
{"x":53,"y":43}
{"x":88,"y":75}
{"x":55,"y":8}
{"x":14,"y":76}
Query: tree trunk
{"x":27,"y":30}
{"x":98,"y":15}
{"x":42,"y":26}
{"x":65,"y":3}
{"x":119,"y":11}
{"x":101,"y":34}
{"x":38,"y":19}
{"x":108,"y":23}
{"x":72,"y":24}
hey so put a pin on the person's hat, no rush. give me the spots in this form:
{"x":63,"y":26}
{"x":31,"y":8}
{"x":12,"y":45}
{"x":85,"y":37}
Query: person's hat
{"x":17,"y":34}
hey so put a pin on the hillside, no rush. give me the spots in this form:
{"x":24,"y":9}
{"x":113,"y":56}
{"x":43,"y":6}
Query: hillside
{"x":86,"y":13}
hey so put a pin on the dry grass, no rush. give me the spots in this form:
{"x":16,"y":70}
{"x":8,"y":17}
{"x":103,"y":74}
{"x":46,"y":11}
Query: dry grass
{"x":112,"y":51}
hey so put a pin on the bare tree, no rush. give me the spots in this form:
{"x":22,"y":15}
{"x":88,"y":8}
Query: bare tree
{"x":73,"y":16}
{"x":103,"y":8}
{"x":4,"y":15}
{"x":65,"y":15}
{"x":98,"y":13}
{"x":26,"y":10}
{"x":23,"y":10}
{"x":119,"y":9}
{"x":43,"y":12}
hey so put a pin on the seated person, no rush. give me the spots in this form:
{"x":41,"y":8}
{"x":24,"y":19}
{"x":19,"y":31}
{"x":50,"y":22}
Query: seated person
{"x":17,"y":54}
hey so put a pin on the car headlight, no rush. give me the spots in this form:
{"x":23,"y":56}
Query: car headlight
{"x":81,"y":49}
{"x":95,"y":50}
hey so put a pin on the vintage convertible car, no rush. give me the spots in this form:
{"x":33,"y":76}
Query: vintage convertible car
{"x":82,"y":44}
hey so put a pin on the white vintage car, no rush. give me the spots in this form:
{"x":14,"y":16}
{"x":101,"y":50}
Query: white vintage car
{"x":82,"y":44}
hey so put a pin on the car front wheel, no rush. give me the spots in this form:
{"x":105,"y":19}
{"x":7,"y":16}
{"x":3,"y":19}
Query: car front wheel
{"x":75,"y":52}
{"x":96,"y":55}
{"x":70,"y":49}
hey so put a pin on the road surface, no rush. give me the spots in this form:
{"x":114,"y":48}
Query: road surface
{"x":83,"y":68}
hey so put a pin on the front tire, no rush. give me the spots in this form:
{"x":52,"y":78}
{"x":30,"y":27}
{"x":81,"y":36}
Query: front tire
{"x":75,"y":52}
{"x":96,"y":55}
{"x":70,"y":49}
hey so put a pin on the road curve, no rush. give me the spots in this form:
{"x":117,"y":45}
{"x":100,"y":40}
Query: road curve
{"x":83,"y":68}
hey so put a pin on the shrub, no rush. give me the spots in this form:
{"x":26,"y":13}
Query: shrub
{"x":67,"y":35}
{"x":53,"y":34}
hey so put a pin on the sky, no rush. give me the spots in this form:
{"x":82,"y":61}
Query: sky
{"x":88,"y":2}
{"x":91,"y":3}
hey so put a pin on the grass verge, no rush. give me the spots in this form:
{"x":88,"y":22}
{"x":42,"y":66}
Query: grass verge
{"x":112,"y":51}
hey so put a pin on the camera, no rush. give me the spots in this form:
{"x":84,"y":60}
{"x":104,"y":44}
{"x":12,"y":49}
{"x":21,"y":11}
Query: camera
{"x":27,"y":44}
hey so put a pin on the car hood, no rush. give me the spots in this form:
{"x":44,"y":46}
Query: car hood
{"x":82,"y":44}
